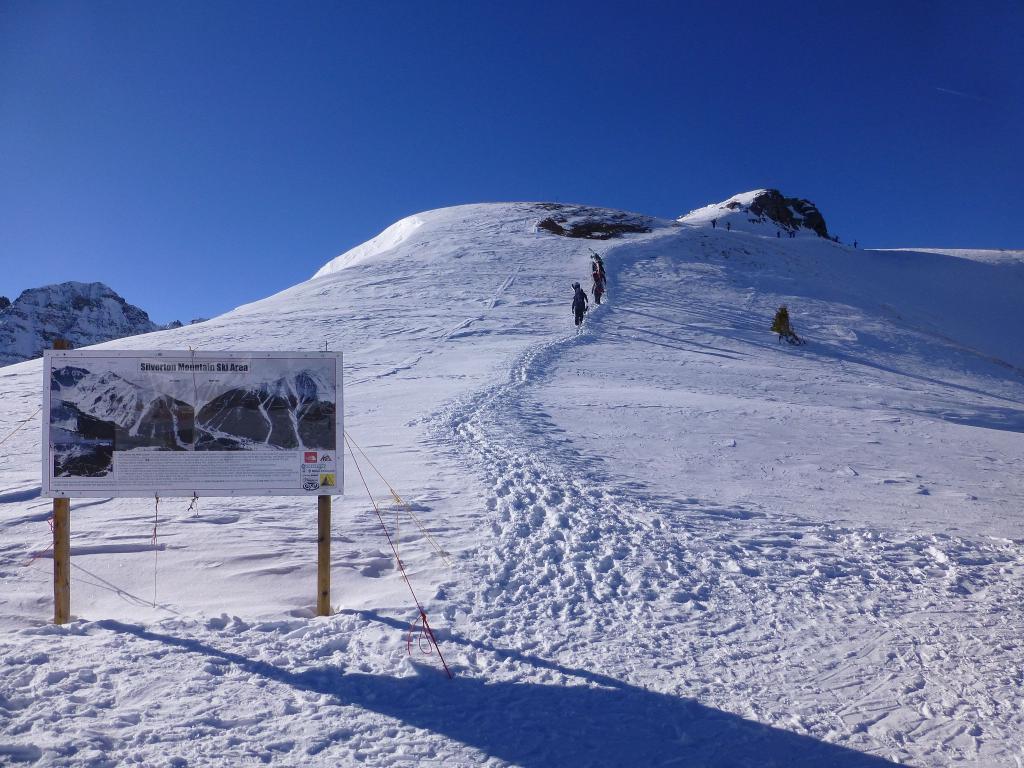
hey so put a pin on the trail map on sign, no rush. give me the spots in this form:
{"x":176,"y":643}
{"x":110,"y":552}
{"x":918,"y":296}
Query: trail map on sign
{"x":182,"y":423}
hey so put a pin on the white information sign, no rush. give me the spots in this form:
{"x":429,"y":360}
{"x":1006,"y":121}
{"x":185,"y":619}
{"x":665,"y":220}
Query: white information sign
{"x":125,"y":423}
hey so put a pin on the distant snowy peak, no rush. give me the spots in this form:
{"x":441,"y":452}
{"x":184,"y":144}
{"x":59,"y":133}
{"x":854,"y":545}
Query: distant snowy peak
{"x":764,"y":212}
{"x":82,"y":313}
{"x":1003,"y":256}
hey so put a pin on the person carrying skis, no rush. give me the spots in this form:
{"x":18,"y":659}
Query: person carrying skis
{"x":598,"y":288}
{"x":599,"y":266}
{"x":579,"y":303}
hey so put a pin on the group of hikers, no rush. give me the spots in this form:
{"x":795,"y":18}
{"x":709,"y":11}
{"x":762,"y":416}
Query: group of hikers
{"x":778,"y":232}
{"x":780,"y":324}
{"x":579,"y":298}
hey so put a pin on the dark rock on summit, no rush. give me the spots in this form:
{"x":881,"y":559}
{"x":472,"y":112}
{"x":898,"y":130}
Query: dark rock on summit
{"x":790,"y":213}
{"x":591,"y":223}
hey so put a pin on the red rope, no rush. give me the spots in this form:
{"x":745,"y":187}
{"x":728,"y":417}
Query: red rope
{"x":426,"y":631}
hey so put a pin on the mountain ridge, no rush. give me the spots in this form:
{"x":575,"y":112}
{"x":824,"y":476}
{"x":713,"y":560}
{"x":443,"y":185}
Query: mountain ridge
{"x":80,"y":313}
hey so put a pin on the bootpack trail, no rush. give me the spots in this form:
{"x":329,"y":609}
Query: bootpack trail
{"x":832,"y":629}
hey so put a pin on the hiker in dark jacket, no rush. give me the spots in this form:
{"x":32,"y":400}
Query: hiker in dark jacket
{"x":579,"y":303}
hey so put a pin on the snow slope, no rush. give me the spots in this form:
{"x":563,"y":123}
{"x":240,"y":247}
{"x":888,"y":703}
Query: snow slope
{"x":672,"y":540}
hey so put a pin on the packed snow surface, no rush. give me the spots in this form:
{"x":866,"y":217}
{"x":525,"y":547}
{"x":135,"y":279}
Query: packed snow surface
{"x":666,"y":539}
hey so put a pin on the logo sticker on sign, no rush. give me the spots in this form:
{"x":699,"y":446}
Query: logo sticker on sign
{"x":311,"y":457}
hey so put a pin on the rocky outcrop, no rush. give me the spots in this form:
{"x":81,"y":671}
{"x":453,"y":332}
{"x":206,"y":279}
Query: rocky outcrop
{"x":82,"y":313}
{"x":790,"y":213}
{"x":178,"y":324}
{"x":762,"y":212}
{"x":591,"y":223}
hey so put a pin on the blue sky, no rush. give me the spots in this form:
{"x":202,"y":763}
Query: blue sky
{"x":199,"y":155}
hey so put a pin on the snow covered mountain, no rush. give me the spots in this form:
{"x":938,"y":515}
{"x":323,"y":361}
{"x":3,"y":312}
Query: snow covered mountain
{"x":764,"y":212}
{"x":82,"y":313}
{"x":666,"y":538}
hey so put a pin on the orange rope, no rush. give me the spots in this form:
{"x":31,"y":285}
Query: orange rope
{"x":427,"y":631}
{"x":400,"y":501}
{"x":22,"y":424}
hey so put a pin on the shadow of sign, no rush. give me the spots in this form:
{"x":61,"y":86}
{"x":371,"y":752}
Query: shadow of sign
{"x":544,"y":726}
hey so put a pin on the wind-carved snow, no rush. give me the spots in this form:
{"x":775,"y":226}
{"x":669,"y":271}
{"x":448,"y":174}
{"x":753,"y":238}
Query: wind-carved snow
{"x":675,"y":540}
{"x":386,"y":241}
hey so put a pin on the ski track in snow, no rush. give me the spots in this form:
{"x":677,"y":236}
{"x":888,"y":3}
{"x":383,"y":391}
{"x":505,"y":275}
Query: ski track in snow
{"x":591,"y":618}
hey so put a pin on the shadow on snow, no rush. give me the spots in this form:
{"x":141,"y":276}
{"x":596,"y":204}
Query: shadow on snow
{"x":603,"y":723}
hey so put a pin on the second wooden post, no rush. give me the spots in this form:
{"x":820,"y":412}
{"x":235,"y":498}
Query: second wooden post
{"x":61,"y":544}
{"x":323,"y":559}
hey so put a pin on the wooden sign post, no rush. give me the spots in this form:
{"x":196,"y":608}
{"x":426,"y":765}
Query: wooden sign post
{"x":61,"y":545}
{"x":323,"y":558}
{"x":61,"y":561}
